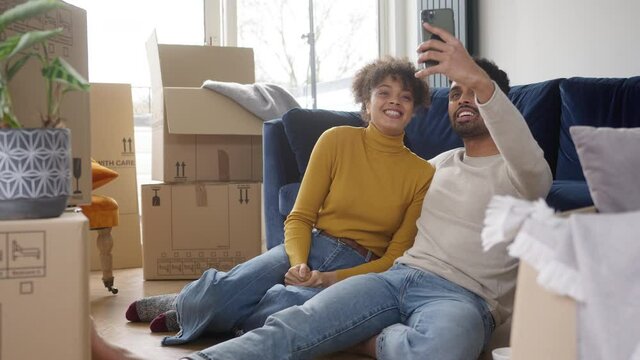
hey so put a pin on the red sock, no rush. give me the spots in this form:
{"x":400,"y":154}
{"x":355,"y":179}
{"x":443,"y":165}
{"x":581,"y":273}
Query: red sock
{"x":159,"y":324}
{"x":132,"y":313}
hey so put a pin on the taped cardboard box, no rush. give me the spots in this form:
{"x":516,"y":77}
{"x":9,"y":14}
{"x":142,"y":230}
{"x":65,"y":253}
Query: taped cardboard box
{"x":113,"y":146}
{"x":44,"y":288}
{"x":28,"y":92}
{"x":198,"y":134}
{"x":189,"y":228}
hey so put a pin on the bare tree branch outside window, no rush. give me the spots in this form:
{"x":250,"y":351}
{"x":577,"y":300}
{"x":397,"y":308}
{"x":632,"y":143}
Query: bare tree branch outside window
{"x":345,"y":34}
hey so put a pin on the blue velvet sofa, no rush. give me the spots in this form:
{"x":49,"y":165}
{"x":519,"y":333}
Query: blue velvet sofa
{"x":549,"y":107}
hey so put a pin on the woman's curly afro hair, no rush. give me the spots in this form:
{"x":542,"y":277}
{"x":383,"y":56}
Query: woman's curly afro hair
{"x":374,"y":73}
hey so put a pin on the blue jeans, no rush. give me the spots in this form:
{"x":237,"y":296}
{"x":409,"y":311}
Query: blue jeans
{"x":243,"y":298}
{"x":417,"y":314}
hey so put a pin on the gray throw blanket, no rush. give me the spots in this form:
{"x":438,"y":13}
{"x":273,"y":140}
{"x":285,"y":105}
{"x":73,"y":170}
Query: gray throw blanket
{"x":593,"y":258}
{"x":266,"y":101}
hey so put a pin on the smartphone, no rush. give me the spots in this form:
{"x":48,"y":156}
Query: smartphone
{"x":442,"y":18}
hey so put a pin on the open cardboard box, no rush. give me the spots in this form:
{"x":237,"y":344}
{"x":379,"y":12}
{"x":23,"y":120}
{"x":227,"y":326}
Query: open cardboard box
{"x":544,"y":324}
{"x":198,"y":134}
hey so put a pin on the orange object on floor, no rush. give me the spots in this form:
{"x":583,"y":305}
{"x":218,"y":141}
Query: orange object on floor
{"x":103,"y":215}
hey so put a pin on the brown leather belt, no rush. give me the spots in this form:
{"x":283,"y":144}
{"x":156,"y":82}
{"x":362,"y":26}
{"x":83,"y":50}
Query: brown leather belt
{"x":366,"y":253}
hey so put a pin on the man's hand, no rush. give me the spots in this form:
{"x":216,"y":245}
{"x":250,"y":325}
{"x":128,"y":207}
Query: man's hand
{"x":454,"y":62}
{"x":297,"y":275}
{"x":320,"y":279}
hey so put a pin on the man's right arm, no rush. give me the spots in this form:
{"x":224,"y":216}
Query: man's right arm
{"x":526,"y":166}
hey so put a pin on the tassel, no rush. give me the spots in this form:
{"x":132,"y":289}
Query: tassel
{"x":529,"y":249}
{"x":504,"y":218}
{"x":561,"y":279}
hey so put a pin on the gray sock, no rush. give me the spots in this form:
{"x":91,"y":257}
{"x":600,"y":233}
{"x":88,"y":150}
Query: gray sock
{"x":150,"y":307}
{"x":172,"y":320}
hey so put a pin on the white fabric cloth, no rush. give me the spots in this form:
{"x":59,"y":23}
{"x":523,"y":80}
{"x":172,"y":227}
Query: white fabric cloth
{"x":266,"y":101}
{"x":595,"y":259}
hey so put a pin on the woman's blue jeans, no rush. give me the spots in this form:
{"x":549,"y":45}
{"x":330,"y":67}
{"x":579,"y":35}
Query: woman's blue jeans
{"x":243,"y":298}
{"x":418,"y":315}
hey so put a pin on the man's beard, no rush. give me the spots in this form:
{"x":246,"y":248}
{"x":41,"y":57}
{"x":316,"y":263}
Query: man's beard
{"x":470,"y":130}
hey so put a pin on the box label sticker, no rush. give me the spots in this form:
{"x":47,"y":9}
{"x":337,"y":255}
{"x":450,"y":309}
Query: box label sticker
{"x":22,"y":255}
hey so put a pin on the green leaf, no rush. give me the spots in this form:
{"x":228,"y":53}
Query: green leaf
{"x":7,"y":118}
{"x":13,"y":68}
{"x":10,"y":119}
{"x":62,"y":72}
{"x":20,"y":42}
{"x":27,"y":10}
{"x":7,"y":46}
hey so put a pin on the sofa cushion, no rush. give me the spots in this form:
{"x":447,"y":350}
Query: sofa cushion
{"x":539,"y":104}
{"x":287,"y":198}
{"x":429,"y":133}
{"x":568,"y":195}
{"x":610,"y":162}
{"x":304,"y":126}
{"x":598,"y":102}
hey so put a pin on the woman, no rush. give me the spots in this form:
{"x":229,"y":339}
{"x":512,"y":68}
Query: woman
{"x":355,"y":213}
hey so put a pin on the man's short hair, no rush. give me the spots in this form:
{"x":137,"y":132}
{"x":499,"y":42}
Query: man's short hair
{"x":495,"y":73}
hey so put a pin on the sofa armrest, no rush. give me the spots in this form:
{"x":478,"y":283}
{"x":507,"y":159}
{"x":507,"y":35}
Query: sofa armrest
{"x":280,"y":168}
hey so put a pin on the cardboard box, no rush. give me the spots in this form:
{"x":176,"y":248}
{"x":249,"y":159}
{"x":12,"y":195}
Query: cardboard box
{"x":544,"y":323}
{"x":44,"y":288}
{"x":189,"y":228}
{"x":198,"y":134}
{"x":113,"y":146}
{"x":28,"y":91}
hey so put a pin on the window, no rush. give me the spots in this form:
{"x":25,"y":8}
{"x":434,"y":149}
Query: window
{"x":345,"y":34}
{"x":345,"y":37}
{"x":117,"y":33}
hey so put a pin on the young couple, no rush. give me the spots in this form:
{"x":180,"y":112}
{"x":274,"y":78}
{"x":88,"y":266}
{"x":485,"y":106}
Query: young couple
{"x":348,"y":262}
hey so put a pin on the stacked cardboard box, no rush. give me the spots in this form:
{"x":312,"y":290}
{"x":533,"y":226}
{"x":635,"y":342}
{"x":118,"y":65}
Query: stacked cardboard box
{"x":44,"y":288}
{"x":113,"y":146}
{"x":189,"y":228}
{"x":207,"y":151}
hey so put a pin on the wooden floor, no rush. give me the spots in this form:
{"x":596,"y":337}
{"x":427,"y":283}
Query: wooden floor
{"x":108,"y":312}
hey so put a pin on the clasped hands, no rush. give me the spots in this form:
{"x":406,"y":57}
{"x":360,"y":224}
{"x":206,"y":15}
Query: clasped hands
{"x":301,"y":275}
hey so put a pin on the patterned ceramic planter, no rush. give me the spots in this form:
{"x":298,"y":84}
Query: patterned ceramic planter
{"x":35,"y":172}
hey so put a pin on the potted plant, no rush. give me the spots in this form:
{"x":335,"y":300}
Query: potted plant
{"x":35,"y":164}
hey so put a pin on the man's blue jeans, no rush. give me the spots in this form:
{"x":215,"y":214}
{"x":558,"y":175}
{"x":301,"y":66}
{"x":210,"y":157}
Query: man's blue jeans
{"x":419,"y":315}
{"x":243,"y":298}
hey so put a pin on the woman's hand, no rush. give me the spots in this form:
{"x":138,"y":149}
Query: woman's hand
{"x":297,"y":275}
{"x":301,"y":275}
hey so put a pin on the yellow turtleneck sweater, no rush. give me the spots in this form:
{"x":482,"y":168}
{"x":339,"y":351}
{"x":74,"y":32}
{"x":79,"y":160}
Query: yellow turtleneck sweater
{"x":362,"y":185}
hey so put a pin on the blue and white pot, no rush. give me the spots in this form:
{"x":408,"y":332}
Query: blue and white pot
{"x":35,"y":173}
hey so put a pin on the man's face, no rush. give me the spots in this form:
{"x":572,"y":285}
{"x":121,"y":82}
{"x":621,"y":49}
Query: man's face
{"x":463,"y":113}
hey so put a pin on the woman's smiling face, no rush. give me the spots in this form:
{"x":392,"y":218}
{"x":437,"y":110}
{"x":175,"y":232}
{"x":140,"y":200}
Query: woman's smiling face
{"x":390,"y":107}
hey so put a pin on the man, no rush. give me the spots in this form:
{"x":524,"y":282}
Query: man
{"x":444,"y":296}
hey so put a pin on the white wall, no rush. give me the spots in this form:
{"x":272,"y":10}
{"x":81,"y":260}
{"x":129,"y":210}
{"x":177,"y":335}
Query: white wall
{"x":537,"y":40}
